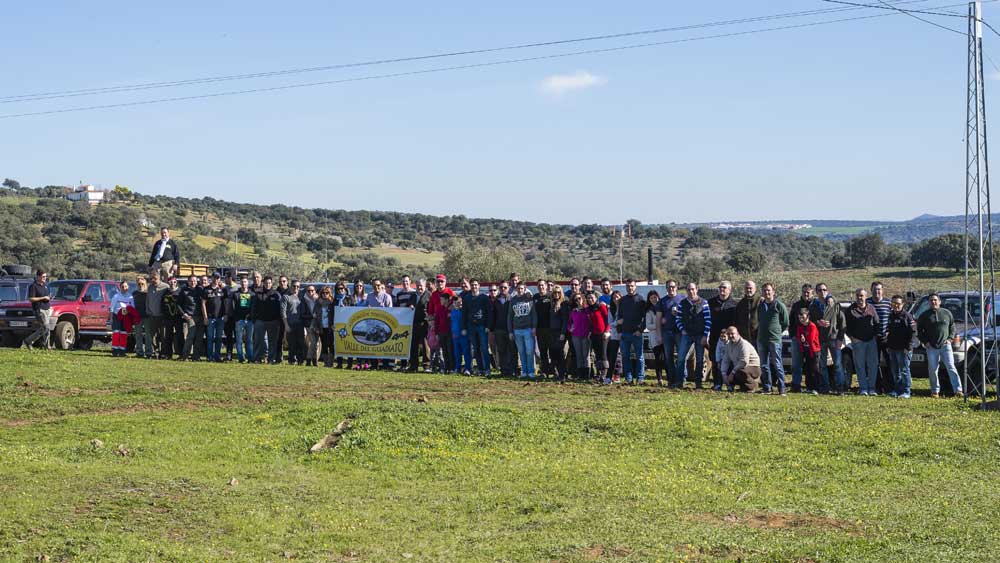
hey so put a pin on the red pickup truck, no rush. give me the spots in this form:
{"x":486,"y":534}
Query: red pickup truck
{"x":80,"y":314}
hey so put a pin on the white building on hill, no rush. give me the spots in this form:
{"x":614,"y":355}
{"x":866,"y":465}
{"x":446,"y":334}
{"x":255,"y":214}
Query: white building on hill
{"x":87,"y":193}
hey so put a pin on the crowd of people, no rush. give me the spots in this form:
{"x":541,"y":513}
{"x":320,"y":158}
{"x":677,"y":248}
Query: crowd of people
{"x":585,"y":332}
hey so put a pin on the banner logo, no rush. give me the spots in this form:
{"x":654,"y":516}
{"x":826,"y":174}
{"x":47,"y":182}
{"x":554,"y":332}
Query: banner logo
{"x":372,"y":332}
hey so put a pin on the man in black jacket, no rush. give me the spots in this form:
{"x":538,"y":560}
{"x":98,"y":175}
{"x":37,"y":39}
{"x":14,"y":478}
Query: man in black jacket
{"x":165,"y":258}
{"x":722,"y":308}
{"x":265,"y":310}
{"x":418,"y":342}
{"x":192,"y":308}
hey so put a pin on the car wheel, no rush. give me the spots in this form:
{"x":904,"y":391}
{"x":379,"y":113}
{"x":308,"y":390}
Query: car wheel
{"x":848,"y":364}
{"x":65,"y":335}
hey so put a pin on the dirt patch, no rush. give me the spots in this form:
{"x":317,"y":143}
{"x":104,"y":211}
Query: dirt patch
{"x":783,"y":521}
{"x":598,"y":551}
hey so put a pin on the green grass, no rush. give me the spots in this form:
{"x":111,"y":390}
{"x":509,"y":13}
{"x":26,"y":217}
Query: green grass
{"x":446,"y":468}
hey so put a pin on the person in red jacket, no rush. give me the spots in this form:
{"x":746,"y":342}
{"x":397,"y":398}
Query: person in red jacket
{"x":444,"y":355}
{"x":807,"y":339}
{"x":600,"y":332}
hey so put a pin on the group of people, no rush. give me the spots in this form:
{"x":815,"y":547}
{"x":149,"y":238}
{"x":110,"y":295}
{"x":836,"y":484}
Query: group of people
{"x":583,"y":332}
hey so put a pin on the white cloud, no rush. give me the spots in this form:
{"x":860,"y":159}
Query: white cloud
{"x":559,"y":84}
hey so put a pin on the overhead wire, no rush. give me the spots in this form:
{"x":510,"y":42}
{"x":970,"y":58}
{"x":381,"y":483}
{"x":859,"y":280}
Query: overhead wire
{"x":301,"y":70}
{"x":451,"y":68}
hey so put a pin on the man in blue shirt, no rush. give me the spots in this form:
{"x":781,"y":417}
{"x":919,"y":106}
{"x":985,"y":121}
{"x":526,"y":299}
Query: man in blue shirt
{"x":667,"y":309}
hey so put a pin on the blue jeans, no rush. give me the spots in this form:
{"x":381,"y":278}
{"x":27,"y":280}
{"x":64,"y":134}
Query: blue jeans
{"x":797,"y":365}
{"x":699,"y":363}
{"x":936,"y":357}
{"x":899,"y":364}
{"x":244,"y":330}
{"x":671,"y":340}
{"x":865,"y":363}
{"x":772,"y":372}
{"x":460,"y":350}
{"x":481,"y":342}
{"x":838,"y":366}
{"x":525,"y":342}
{"x":632,"y":342}
{"x":215,"y":334}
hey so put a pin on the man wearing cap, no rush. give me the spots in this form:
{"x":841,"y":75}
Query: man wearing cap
{"x":442,"y":289}
{"x":165,"y":258}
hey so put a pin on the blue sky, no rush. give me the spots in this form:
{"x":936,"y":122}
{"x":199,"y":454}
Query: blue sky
{"x":857,"y":120}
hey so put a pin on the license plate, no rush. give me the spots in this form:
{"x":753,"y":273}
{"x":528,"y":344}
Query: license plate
{"x":918,"y":358}
{"x":19,"y":324}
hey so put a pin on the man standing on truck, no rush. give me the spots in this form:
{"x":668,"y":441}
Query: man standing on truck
{"x":38,"y":295}
{"x":165,"y":258}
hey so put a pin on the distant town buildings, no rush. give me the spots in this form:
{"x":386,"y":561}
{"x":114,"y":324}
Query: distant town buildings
{"x":87,"y":193}
{"x":763,"y":226}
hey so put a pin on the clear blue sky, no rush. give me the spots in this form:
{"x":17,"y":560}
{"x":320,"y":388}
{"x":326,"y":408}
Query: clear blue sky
{"x":858,"y":120}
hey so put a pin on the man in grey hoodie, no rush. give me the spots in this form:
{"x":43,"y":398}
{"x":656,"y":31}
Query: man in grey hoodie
{"x":521,"y":322}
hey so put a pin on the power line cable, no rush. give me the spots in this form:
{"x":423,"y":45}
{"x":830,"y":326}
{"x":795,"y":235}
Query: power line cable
{"x":888,"y":6}
{"x":451,"y":68}
{"x":927,"y":21}
{"x":266,"y":74}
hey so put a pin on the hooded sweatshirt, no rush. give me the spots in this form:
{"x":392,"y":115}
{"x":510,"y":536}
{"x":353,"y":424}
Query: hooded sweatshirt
{"x":521,"y":313}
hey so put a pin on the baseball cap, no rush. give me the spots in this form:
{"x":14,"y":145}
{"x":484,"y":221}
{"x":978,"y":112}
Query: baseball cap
{"x":440,"y":277}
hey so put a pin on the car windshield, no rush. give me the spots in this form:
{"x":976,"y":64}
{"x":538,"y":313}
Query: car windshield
{"x":65,"y":291}
{"x":955,"y":304}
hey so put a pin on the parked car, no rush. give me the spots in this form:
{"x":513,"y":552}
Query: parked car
{"x":80,"y":314}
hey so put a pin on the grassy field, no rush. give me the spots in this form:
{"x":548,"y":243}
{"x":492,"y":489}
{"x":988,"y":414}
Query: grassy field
{"x":209,"y":463}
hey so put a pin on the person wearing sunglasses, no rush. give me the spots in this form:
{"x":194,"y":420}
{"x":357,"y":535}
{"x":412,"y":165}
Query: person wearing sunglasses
{"x":39,"y":296}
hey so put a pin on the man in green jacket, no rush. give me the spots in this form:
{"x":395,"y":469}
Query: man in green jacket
{"x":936,"y":330}
{"x":772,"y":320}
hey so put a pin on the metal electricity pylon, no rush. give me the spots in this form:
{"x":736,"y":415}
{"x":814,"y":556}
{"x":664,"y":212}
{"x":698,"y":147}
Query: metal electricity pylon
{"x":981,"y":367}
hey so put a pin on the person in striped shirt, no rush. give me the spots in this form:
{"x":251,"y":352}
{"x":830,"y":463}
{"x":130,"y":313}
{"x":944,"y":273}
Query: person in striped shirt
{"x":884,"y":382}
{"x":694,"y":323}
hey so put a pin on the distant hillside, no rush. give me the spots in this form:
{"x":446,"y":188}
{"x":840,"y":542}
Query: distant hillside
{"x":39,"y":227}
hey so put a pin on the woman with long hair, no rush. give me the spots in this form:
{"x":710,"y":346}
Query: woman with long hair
{"x":558,"y":322}
{"x":323,"y":323}
{"x":614,"y":340}
{"x":578,"y":327}
{"x":655,"y":337}
{"x":342,"y":299}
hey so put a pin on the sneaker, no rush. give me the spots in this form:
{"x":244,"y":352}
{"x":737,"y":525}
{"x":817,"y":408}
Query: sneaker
{"x":716,"y":388}
{"x":607,"y":381}
{"x":935,"y":395}
{"x":628,"y":379}
{"x":729,"y":388}
{"x":893,"y":394}
{"x":782,"y":393}
{"x":873,"y":393}
{"x":466,"y":372}
{"x":616,"y":379}
{"x":863,"y":393}
{"x":427,"y":370}
{"x":904,"y":396}
{"x":959,"y":395}
{"x":641,"y":381}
